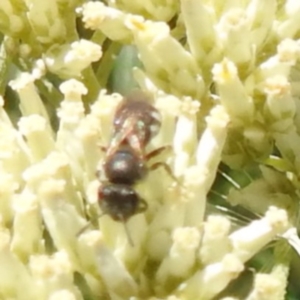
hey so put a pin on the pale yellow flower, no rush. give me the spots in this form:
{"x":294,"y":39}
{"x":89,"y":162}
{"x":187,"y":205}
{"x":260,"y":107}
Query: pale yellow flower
{"x":224,"y":77}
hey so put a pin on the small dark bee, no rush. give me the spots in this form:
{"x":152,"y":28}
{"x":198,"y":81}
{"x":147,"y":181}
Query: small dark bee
{"x":135,"y":123}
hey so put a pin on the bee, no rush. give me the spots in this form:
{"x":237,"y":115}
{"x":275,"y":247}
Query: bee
{"x":135,"y":123}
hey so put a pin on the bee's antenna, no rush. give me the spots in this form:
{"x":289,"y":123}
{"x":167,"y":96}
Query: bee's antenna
{"x":128,"y":233}
{"x":88,"y":224}
{"x":84,"y":228}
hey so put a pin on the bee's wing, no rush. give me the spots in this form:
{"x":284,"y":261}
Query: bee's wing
{"x":126,"y":132}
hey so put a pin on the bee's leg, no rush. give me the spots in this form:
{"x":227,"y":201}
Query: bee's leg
{"x":167,"y":169}
{"x":143,"y":205}
{"x":157,"y":152}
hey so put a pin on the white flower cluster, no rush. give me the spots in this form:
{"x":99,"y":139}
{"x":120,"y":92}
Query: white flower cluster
{"x":50,"y":175}
{"x":224,"y":77}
